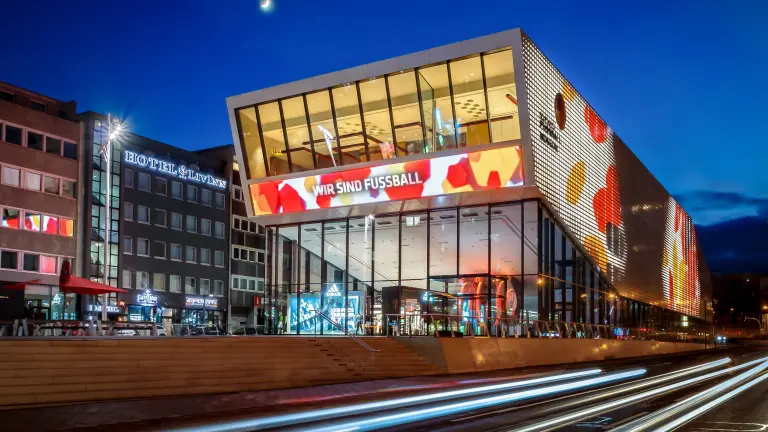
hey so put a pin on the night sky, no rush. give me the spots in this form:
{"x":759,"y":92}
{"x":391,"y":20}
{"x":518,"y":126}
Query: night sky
{"x":684,"y":84}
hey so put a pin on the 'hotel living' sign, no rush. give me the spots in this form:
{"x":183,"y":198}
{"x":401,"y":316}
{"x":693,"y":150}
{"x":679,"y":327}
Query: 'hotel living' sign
{"x":172,"y":169}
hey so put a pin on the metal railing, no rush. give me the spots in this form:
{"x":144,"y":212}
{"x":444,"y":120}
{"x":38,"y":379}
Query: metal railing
{"x":343,"y":330}
{"x":430,"y":324}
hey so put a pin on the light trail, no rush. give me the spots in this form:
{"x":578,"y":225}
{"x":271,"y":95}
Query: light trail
{"x":327,"y":413}
{"x":428,"y":413}
{"x":675,"y":411}
{"x":617,"y":403}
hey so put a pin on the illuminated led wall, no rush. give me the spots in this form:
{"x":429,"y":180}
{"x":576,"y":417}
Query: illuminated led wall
{"x":636,"y":233}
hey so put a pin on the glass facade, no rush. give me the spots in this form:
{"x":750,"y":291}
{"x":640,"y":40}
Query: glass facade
{"x":462,"y":102}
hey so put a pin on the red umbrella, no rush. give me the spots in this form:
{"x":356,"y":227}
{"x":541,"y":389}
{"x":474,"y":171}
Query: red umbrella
{"x":22,"y":285}
{"x":74,"y":284}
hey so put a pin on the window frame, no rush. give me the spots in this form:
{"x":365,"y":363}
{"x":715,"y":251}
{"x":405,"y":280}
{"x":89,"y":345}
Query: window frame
{"x":197,"y":194}
{"x":127,"y":250}
{"x":148,"y":182}
{"x":139,"y":241}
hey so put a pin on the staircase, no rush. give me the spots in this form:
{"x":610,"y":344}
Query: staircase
{"x":34,"y":372}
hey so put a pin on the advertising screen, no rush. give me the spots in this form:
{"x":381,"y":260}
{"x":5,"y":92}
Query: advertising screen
{"x":441,"y":175}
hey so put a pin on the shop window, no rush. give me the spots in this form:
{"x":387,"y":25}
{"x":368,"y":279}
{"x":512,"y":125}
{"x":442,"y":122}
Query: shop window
{"x":127,"y":279}
{"x":127,"y":245}
{"x":507,"y":240}
{"x":12,"y":135}
{"x":161,"y":186}
{"x":158,"y":281}
{"x":9,"y":260}
{"x":473,"y":240}
{"x":142,"y":214}
{"x":406,"y":113}
{"x":128,"y":178}
{"x":191,"y":224}
{"x":531,"y":233}
{"x":33,"y":181}
{"x":205,"y":197}
{"x":437,"y":107}
{"x":175,"y":284}
{"x":469,"y":101}
{"x":205,"y":256}
{"x":176,"y":221}
{"x":502,"y":96}
{"x":205,"y":286}
{"x":323,"y":129}
{"x":190,"y":285}
{"x":176,"y":190}
{"x":11,"y":218}
{"x":219,"y":259}
{"x":219,"y":229}
{"x":175,"y":252}
{"x":298,"y":134}
{"x":145,"y":182}
{"x":51,"y":185}
{"x":192,"y":193}
{"x":34,"y":141}
{"x":68,"y":189}
{"x":32,"y":221}
{"x":53,"y":145}
{"x":128,"y":211}
{"x":442,"y":242}
{"x":347,"y":111}
{"x":205,"y":227}
{"x":66,"y":227}
{"x":48,"y":264}
{"x":251,"y":143}
{"x":377,"y":119}
{"x":50,"y":225}
{"x":142,"y":248}
{"x":31,"y":262}
{"x":70,"y":150}
{"x":160,"y":217}
{"x":220,"y":204}
{"x":274,"y":140}
{"x":413,"y":250}
{"x":11,"y":176}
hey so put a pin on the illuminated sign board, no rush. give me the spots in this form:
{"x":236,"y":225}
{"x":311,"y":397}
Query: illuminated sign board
{"x":172,"y":169}
{"x":97,"y":308}
{"x":147,"y":299}
{"x":202,"y":302}
{"x":441,"y":175}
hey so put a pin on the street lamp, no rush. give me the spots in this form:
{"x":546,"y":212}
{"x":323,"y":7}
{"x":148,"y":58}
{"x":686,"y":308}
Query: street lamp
{"x":114,"y":129}
{"x":758,"y":323}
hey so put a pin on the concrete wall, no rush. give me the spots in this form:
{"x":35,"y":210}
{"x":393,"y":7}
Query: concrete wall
{"x":480,"y":354}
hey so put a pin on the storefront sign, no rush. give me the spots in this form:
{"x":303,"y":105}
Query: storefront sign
{"x":333,"y":291}
{"x":172,"y":169}
{"x":147,"y":299}
{"x":202,"y":302}
{"x":441,"y":175}
{"x":135,"y":317}
{"x":97,"y":308}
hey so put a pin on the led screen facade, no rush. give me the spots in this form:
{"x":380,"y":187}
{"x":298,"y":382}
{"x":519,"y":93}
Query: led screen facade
{"x":639,"y":237}
{"x":463,"y":172}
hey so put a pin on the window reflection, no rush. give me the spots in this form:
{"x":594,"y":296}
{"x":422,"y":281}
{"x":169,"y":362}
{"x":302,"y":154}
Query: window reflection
{"x":274,"y":141}
{"x":378,"y":125}
{"x":473,"y":241}
{"x":469,"y":101}
{"x":249,"y":137}
{"x":323,"y":129}
{"x":442,"y":114}
{"x":298,"y":134}
{"x":406,"y":113}
{"x":502,"y":96}
{"x":350,"y":129}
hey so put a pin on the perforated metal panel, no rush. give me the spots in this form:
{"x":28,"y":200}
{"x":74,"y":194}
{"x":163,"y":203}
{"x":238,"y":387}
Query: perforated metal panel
{"x":680,"y":263}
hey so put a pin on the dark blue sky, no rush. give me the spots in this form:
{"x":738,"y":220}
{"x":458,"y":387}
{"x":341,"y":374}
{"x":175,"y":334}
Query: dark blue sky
{"x":684,"y":83}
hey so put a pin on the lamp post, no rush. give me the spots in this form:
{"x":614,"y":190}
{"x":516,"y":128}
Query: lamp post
{"x":758,"y":323}
{"x":114,"y":130}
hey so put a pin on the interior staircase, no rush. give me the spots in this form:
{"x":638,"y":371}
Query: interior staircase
{"x":35,"y":372}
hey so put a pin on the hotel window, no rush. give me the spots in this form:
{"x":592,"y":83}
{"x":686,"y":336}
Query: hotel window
{"x":127,"y":245}
{"x":191,"y":224}
{"x":175,"y":284}
{"x":161,"y":186}
{"x":406,"y":113}
{"x":205,"y":256}
{"x":142,"y":280}
{"x":191,"y":254}
{"x":68,"y":189}
{"x":322,"y":129}
{"x":190,"y":285}
{"x":219,"y":259}
{"x":32,"y":221}
{"x":145,"y":182}
{"x":48,"y":264}
{"x":37,"y":106}
{"x":12,"y":135}
{"x":502,"y":96}
{"x":175,"y":252}
{"x":298,"y":134}
{"x":11,"y":176}
{"x":218,"y":288}
{"x":70,"y":150}
{"x":176,"y":190}
{"x":9,"y":260}
{"x":205,"y":227}
{"x":33,"y":181}
{"x":469,"y":101}
{"x":53,"y":145}
{"x":251,"y":143}
{"x":237,"y":193}
{"x":127,"y":279}
{"x":128,"y":211}
{"x":158,"y":281}
{"x":158,"y":249}
{"x":274,"y":140}
{"x":34,"y":141}
{"x":205,"y":286}
{"x":11,"y":218}
{"x":160,"y":217}
{"x":219,"y":230}
{"x":143,"y":214}
{"x":176,"y":221}
{"x":192,"y":193}
{"x":220,"y":201}
{"x":128,"y":178}
{"x":51,"y":185}
{"x":142,"y":247}
{"x":205,"y":197}
{"x":31,"y":262}
{"x":376,"y":115}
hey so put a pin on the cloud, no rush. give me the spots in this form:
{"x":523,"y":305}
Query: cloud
{"x":710,"y":207}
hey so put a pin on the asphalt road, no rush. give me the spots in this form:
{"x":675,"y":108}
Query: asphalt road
{"x":691,"y":392}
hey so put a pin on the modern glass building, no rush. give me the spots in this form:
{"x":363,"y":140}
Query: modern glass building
{"x":461,"y":187}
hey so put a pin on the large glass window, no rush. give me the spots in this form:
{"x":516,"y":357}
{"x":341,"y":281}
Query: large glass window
{"x":251,"y":141}
{"x":473,"y":240}
{"x":502,"y":96}
{"x":469,"y":101}
{"x":444,"y":134}
{"x":442,"y":243}
{"x":506,"y":240}
{"x":413,"y":249}
{"x":298,"y":134}
{"x":406,"y":113}
{"x":274,"y":140}
{"x":347,"y":110}
{"x":323,"y":129}
{"x":378,"y":124}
